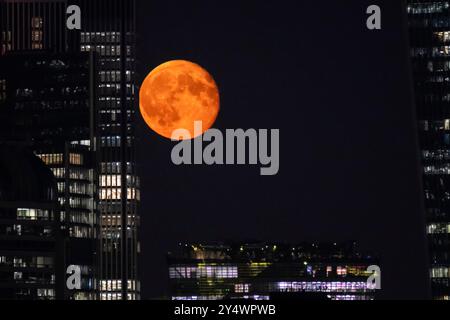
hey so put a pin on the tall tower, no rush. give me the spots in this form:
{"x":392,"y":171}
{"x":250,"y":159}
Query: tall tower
{"x":429,"y":27}
{"x":54,"y":116}
{"x":108,"y":29}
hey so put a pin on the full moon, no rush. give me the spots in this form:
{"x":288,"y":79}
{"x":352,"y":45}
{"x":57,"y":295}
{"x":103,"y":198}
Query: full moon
{"x":175,"y":95}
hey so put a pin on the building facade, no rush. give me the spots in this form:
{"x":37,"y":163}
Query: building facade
{"x":29,"y":228}
{"x":55,"y":117}
{"x":429,"y":28}
{"x":108,"y":29}
{"x":262,"y":271}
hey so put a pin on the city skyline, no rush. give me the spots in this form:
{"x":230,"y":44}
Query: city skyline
{"x":109,"y":31}
{"x":316,"y":128}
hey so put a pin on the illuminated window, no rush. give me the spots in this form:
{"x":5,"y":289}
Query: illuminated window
{"x":341,"y":271}
{"x":242,"y":288}
{"x":51,"y":159}
{"x":36,"y":33}
{"x":32,"y":214}
{"x":115,"y":193}
{"x":76,"y":159}
{"x":438,"y":228}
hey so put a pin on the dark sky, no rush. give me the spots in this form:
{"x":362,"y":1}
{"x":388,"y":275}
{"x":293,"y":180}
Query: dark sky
{"x":340,"y":95}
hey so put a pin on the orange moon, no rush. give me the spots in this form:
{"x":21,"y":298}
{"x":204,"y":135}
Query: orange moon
{"x":175,"y":95}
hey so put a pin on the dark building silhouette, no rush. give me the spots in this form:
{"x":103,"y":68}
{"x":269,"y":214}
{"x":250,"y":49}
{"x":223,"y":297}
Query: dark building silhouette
{"x":108,"y":29}
{"x":54,"y":115}
{"x":33,"y":25}
{"x":264,"y":271}
{"x":429,"y":27}
{"x":30,"y":257}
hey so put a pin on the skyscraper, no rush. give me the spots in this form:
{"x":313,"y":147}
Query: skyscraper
{"x":429,"y":27}
{"x":54,"y":116}
{"x":107,"y":28}
{"x":29,"y":215}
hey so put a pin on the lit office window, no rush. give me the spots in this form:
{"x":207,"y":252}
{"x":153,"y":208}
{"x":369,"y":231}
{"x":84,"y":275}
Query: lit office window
{"x":52,"y":159}
{"x":76,"y":159}
{"x":242,"y":288}
{"x":440,"y":272}
{"x":32,"y":214}
{"x":438,"y":228}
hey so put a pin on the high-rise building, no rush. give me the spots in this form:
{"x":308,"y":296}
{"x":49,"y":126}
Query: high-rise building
{"x":262,"y":271}
{"x":107,"y":28}
{"x":54,"y":115}
{"x":429,"y":28}
{"x":30,"y":259}
{"x":33,"y":25}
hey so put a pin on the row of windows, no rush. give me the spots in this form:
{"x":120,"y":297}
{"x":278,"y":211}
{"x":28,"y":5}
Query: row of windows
{"x":199,"y":298}
{"x":76,"y":159}
{"x":33,"y":278}
{"x":436,"y":155}
{"x":114,"y":89}
{"x":114,"y":76}
{"x":440,"y":272}
{"x":59,"y":172}
{"x":52,"y":159}
{"x":6,"y":36}
{"x":116,"y":193}
{"x":42,"y":105}
{"x":74,"y":174}
{"x":116,"y":285}
{"x":321,"y":286}
{"x":81,"y":174}
{"x":50,"y":91}
{"x":27,"y":230}
{"x":32,"y":214}
{"x":442,"y":36}
{"x":78,"y":203}
{"x":114,"y":167}
{"x":27,"y":262}
{"x":434,"y":98}
{"x":431,"y":7}
{"x":109,"y":50}
{"x":113,"y":63}
{"x":437,"y":79}
{"x":242,"y":288}
{"x":58,"y":158}
{"x":81,"y":217}
{"x":438,"y":125}
{"x":118,"y":296}
{"x":115,"y":180}
{"x":81,"y":232}
{"x":103,"y":37}
{"x":437,"y":169}
{"x":438,"y":228}
{"x":213,"y":272}
{"x":438,"y":66}
{"x":442,"y":51}
{"x":434,"y":22}
{"x":76,"y":188}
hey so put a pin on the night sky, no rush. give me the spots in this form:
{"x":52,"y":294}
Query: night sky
{"x":341,"y":97}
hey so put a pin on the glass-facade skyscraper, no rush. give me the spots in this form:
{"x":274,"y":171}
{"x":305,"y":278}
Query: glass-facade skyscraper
{"x":54,"y":117}
{"x":429,"y":27}
{"x":108,"y":30}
